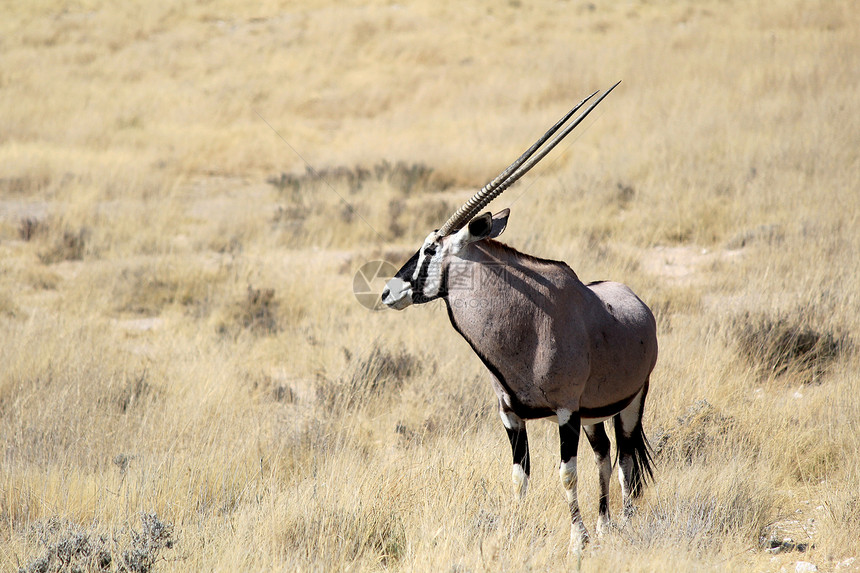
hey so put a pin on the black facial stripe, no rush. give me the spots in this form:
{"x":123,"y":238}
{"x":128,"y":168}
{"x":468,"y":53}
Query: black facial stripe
{"x":417,"y":269}
{"x":406,"y":271}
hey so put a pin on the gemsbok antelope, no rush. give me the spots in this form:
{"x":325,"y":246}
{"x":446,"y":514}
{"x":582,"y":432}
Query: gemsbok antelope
{"x":555,"y":347}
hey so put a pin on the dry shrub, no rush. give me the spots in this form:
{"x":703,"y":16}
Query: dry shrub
{"x":71,"y":548}
{"x":382,"y":371}
{"x":410,"y":218}
{"x":782,"y":344}
{"x":24,"y":184}
{"x":267,"y":389}
{"x":256,"y":312}
{"x":416,"y":177}
{"x":318,"y":438}
{"x":407,"y":178}
{"x":74,"y":416}
{"x":68,"y":246}
{"x":693,"y":436}
{"x":315,"y":196}
{"x":844,"y":509}
{"x":259,"y":311}
{"x":8,"y":308}
{"x":28,"y":228}
{"x":133,"y":389}
{"x":378,"y":374}
{"x":149,"y":289}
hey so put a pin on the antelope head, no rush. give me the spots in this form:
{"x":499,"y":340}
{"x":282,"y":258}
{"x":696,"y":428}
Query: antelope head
{"x":423,"y":277}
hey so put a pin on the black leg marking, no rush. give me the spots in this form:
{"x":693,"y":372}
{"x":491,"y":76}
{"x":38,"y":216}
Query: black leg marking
{"x":569,"y":437}
{"x":598,"y":439}
{"x":600,"y":444}
{"x":520,"y":448}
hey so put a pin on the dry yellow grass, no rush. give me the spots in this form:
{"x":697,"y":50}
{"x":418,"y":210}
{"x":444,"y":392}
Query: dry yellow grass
{"x":178,"y":334}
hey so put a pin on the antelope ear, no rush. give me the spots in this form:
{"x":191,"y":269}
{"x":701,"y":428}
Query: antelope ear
{"x":487,"y":226}
{"x":480,"y":227}
{"x":500,"y":221}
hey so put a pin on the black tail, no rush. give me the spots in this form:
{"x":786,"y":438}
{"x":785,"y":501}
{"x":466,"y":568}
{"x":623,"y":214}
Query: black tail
{"x":635,"y":444}
{"x":639,"y":448}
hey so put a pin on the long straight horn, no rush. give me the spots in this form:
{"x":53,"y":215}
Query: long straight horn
{"x":518,"y":168}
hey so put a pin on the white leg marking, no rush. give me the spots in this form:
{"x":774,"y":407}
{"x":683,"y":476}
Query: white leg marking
{"x":567,"y":473}
{"x":521,"y":480}
{"x":510,"y":420}
{"x":578,"y":533}
{"x":630,"y":414}
{"x":624,"y":473}
{"x":563,"y":416}
{"x":602,"y":524}
{"x":593,"y":421}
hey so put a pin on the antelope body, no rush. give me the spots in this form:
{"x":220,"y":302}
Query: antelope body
{"x":554,"y":346}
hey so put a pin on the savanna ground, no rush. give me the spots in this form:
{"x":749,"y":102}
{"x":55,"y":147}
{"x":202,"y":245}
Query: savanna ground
{"x":188,"y":383}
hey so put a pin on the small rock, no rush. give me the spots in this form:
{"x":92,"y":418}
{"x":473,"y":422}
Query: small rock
{"x":805,"y":567}
{"x":845,"y":564}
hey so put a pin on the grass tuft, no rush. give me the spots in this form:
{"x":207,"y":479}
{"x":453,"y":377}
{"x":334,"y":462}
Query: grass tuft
{"x":68,"y":246}
{"x":782,"y":344}
{"x":694,"y":435}
{"x":29,"y":227}
{"x":348,"y":535}
{"x":8,"y":308}
{"x":378,"y":374}
{"x":701,"y":514}
{"x":256,"y":312}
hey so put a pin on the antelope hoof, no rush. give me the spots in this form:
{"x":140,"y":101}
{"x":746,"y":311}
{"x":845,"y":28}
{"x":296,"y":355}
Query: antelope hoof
{"x":604,"y":525}
{"x":578,"y":537}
